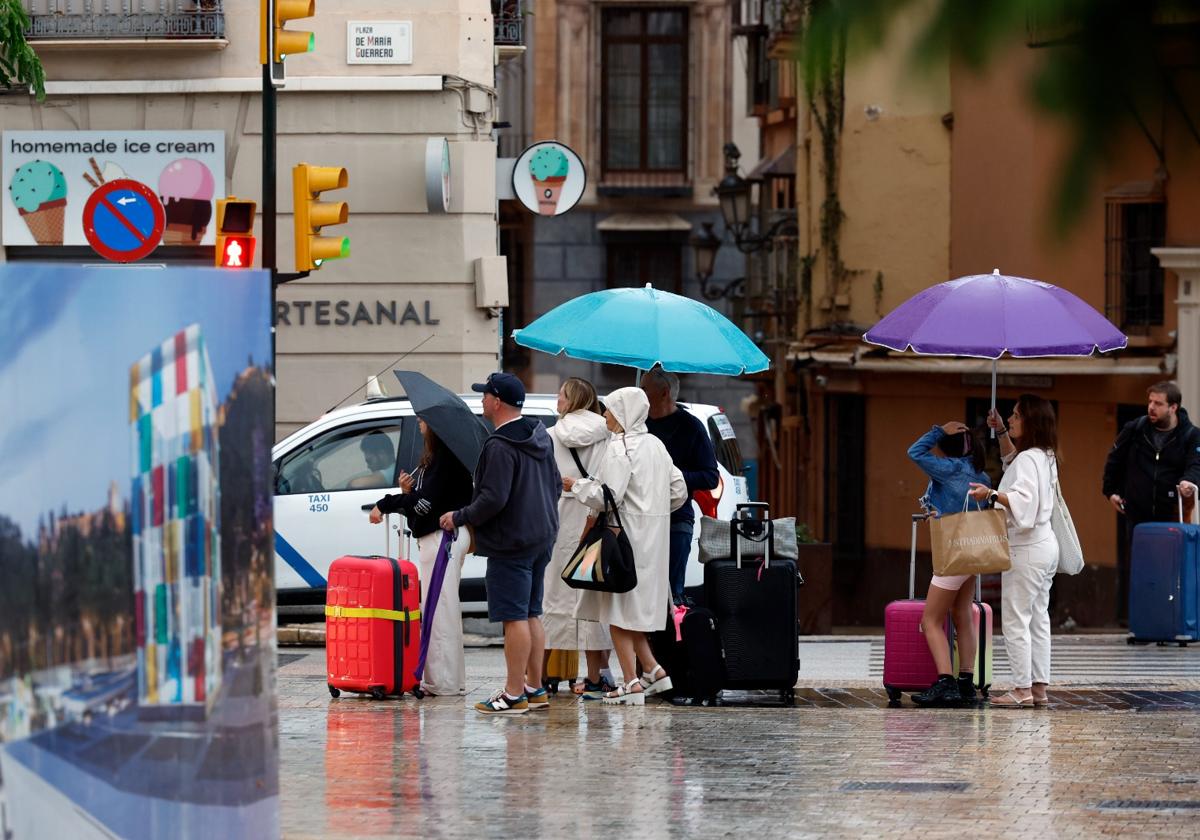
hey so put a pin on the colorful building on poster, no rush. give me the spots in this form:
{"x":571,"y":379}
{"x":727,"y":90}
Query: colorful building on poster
{"x":176,"y":526}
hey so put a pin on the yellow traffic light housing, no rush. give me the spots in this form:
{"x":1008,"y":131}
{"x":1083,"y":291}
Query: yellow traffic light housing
{"x":308,"y":182}
{"x":275,"y":42}
{"x":235,"y":233}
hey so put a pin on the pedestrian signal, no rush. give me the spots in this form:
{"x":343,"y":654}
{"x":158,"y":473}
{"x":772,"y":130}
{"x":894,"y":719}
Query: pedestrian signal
{"x":235,"y":237}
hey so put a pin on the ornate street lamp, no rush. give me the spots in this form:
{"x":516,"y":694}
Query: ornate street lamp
{"x":705,"y":245}
{"x":733,"y":193}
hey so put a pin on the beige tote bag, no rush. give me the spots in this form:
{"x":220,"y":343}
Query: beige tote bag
{"x":974,"y":542}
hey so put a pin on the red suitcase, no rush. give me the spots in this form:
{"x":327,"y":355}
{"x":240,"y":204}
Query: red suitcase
{"x":372,"y":626}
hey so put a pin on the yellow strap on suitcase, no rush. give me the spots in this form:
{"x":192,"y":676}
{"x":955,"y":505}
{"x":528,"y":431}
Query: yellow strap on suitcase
{"x":368,"y":612}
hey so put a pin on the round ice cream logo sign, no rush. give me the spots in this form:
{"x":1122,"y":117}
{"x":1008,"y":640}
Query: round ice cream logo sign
{"x":549,"y":178}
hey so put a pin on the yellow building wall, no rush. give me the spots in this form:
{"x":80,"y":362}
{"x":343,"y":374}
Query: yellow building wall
{"x":894,"y":184}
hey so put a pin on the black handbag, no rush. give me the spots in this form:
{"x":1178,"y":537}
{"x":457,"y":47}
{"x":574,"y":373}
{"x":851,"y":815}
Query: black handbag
{"x":604,"y":560}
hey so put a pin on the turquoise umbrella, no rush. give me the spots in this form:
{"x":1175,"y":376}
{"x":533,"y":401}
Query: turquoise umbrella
{"x":641,"y":328}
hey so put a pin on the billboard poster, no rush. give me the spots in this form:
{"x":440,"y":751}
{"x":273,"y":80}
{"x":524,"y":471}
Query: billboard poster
{"x":49,"y":176}
{"x":137,"y":609}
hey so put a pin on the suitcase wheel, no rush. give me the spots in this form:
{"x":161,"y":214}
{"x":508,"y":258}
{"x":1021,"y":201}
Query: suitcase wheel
{"x":893,"y":694}
{"x":418,"y":693}
{"x":334,"y":693}
{"x":377,"y":692}
{"x":788,"y":696}
{"x":1183,"y":644}
{"x":1160,"y":644}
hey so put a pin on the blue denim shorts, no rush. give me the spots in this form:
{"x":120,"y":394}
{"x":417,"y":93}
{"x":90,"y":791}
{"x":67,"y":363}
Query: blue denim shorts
{"x":514,"y":586}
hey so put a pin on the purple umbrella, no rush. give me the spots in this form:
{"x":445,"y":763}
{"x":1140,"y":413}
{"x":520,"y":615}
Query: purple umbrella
{"x":988,"y":315}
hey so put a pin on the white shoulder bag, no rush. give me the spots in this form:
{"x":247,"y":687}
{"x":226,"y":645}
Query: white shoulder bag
{"x":1070,"y":552}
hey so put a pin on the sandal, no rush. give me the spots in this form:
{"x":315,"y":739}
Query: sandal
{"x":650,"y":686}
{"x":624,"y":695}
{"x":1008,"y":700}
{"x":1044,"y":700}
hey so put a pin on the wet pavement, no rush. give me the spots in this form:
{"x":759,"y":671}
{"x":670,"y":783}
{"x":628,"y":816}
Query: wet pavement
{"x":1103,"y":759}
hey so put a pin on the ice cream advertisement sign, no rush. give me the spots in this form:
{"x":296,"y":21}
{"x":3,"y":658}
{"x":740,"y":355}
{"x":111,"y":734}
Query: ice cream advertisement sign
{"x":549,"y":178}
{"x":49,"y":177}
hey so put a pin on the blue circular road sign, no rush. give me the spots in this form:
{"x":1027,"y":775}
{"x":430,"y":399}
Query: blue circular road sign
{"x":123,"y":220}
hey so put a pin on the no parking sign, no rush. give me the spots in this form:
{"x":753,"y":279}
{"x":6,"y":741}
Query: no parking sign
{"x":123,"y":220}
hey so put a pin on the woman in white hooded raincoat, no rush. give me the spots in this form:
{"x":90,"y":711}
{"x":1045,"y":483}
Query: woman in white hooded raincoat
{"x":580,"y":428}
{"x":646,"y":487}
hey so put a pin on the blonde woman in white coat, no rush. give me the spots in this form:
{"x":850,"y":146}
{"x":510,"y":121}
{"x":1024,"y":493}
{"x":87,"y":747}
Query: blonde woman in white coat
{"x":581,"y":429}
{"x":646,"y":487}
{"x":1026,"y":492}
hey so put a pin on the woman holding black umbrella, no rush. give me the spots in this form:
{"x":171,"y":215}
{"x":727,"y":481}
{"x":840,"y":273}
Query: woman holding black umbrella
{"x":438,"y":484}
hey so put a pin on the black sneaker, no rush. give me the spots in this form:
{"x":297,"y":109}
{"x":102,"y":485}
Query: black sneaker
{"x":966,"y":688}
{"x":944,"y":692}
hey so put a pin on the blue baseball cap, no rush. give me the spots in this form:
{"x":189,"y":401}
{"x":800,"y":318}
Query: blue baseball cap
{"x":505,"y":387}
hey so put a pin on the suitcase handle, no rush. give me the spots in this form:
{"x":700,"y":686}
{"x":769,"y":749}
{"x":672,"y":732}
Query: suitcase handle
{"x":763,"y":509}
{"x":917,"y":518}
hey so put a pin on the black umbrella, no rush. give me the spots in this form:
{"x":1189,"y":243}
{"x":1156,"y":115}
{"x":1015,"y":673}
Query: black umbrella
{"x":446,"y":414}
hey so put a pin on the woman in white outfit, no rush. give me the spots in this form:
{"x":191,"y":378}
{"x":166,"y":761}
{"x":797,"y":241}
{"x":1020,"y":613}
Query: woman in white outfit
{"x":439,"y":483}
{"x":581,"y":432}
{"x":1026,"y":492}
{"x":646,"y":487}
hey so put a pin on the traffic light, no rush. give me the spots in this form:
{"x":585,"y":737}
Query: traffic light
{"x":235,"y":237}
{"x":275,"y":43}
{"x":308,"y":182}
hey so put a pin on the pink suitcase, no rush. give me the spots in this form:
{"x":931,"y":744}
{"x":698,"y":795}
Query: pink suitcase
{"x":907,"y":662}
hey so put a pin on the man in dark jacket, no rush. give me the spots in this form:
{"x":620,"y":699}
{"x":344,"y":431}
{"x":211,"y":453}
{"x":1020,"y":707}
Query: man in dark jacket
{"x":691,"y":450}
{"x":1151,"y":457}
{"x":514,"y":514}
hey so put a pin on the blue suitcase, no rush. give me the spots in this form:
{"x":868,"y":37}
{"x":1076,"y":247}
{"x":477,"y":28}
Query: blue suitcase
{"x":1164,"y":583}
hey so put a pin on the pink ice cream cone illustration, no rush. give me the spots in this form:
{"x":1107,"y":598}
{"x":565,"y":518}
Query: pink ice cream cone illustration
{"x":548,"y":168}
{"x":39,"y":191}
{"x":186,"y":190}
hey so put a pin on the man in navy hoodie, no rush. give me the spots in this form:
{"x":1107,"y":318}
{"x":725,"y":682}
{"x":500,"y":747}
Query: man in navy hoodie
{"x":514,"y":515}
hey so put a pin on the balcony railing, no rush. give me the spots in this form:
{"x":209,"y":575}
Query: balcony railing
{"x":99,"y":20}
{"x":509,"y":23}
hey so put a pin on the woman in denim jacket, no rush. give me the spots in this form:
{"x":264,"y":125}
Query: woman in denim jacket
{"x":952,"y":457}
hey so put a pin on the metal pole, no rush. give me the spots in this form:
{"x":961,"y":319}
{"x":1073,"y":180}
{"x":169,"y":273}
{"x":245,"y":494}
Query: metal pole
{"x":995,"y":364}
{"x":268,"y":174}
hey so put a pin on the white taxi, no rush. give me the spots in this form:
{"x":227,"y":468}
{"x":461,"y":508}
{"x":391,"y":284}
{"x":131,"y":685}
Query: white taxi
{"x":320,"y":517}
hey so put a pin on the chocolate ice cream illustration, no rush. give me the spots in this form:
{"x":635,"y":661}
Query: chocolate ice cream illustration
{"x":39,"y":191}
{"x":548,"y":167}
{"x":186,"y":190}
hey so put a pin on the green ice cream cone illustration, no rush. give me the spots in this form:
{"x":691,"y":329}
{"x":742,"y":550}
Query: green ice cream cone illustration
{"x":39,"y":191}
{"x":548,"y":167}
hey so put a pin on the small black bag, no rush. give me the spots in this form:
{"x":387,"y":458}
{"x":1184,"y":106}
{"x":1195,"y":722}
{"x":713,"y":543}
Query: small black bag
{"x":604,"y":560}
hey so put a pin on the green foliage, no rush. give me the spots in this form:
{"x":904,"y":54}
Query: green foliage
{"x":804,"y":534}
{"x":1102,"y":67}
{"x":19,"y":64}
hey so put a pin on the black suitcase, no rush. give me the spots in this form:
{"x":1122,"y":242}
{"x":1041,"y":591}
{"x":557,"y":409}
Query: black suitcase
{"x":693,"y":657}
{"x":754,"y":602}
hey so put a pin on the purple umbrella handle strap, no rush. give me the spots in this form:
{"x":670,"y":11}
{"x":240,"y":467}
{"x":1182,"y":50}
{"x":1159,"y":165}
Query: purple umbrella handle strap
{"x":436,"y":578}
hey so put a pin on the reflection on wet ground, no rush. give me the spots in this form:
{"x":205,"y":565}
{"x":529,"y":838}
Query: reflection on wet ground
{"x":839,"y":764}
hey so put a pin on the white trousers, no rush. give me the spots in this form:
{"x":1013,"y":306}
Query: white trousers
{"x":1025,"y":598}
{"x":445,"y":665}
